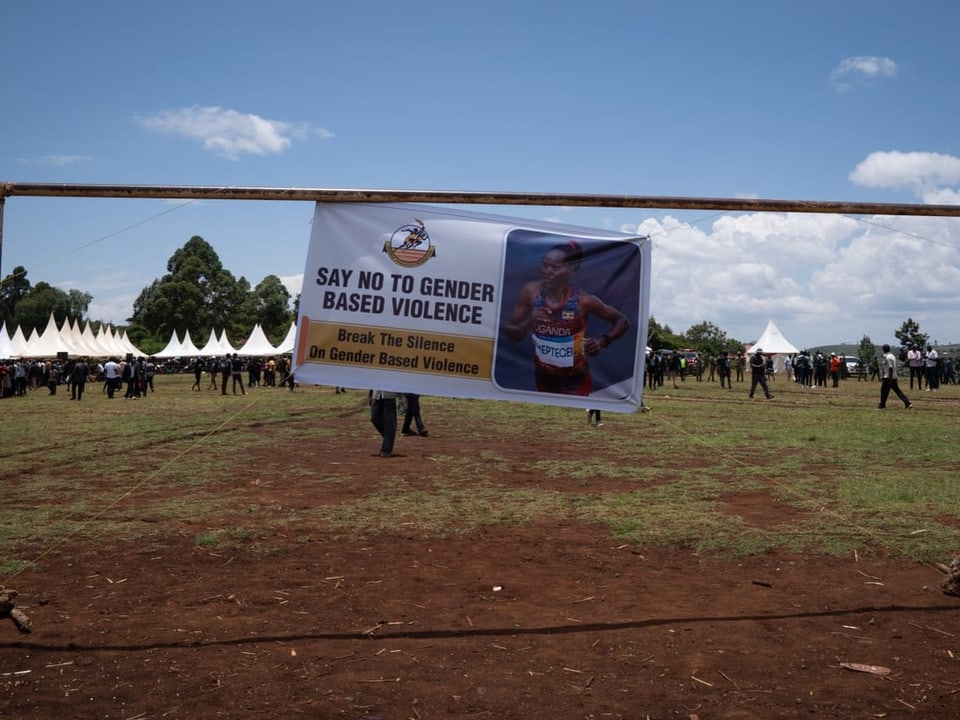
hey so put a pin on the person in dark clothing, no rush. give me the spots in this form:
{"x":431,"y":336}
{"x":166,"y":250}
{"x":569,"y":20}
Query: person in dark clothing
{"x":213,"y":367}
{"x":412,"y":416}
{"x":131,"y":373}
{"x":236,"y":372}
{"x":226,"y":370}
{"x":383,"y":415}
{"x":197,"y":374}
{"x":78,"y":379}
{"x":723,"y":369}
{"x":758,"y":373}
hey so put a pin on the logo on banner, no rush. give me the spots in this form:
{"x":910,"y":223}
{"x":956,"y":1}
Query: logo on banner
{"x":410,"y":245}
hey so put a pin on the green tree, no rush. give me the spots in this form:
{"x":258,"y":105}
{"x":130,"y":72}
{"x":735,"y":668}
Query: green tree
{"x":706,"y":338}
{"x":197,"y":294}
{"x":37,"y":304}
{"x":661,"y":336}
{"x":867,"y":351}
{"x":269,"y":304}
{"x":168,"y":305}
{"x":909,"y":336}
{"x":12,"y":289}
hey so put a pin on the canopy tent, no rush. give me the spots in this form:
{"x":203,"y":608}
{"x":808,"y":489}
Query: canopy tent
{"x":286,"y":345}
{"x":773,"y":343}
{"x":173,"y":348}
{"x":257,"y":344}
{"x":6,"y":346}
{"x":68,"y":338}
{"x":107,"y":342}
{"x":188,"y":349}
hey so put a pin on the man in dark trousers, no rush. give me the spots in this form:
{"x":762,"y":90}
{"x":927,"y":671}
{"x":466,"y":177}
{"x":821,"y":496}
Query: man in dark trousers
{"x":78,"y":379}
{"x":236,"y":372}
{"x":758,"y":373}
{"x":411,"y":416}
{"x":383,"y":415}
{"x":888,"y":371}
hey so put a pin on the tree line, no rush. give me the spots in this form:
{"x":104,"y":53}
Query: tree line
{"x":197,"y":293}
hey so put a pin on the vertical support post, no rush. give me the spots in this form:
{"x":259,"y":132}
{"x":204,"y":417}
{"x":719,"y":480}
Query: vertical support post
{"x":3,"y":200}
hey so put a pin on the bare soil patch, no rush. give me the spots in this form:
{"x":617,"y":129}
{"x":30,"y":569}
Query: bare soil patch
{"x":542,"y":621}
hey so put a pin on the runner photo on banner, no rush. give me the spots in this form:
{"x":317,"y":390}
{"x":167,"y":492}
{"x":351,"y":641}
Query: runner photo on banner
{"x":451,"y":303}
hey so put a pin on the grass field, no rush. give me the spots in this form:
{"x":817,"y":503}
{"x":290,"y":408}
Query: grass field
{"x":845,"y":475}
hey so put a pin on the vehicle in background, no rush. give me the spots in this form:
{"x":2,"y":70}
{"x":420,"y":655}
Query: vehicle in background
{"x":852,"y":367}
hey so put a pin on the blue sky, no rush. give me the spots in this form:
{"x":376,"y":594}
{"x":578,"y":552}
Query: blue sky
{"x":852,"y":101}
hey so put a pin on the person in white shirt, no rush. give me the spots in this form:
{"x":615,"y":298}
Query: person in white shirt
{"x":111,"y":375}
{"x":888,"y":379}
{"x":915,"y":363}
{"x":931,"y":365}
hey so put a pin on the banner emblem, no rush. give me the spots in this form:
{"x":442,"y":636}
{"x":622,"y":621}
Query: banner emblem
{"x":410,"y":245}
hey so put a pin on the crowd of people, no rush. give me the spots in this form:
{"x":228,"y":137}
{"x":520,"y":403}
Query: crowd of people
{"x":133,"y":377}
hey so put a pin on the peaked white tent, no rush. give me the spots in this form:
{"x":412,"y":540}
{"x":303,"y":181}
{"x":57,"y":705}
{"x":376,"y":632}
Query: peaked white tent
{"x":48,"y":343}
{"x":6,"y":346}
{"x":257,"y":344}
{"x":187,"y":347}
{"x":173,"y":348}
{"x":286,"y":345}
{"x":773,"y":343}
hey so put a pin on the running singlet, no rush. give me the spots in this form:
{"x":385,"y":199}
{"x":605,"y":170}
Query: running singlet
{"x":559,"y":360}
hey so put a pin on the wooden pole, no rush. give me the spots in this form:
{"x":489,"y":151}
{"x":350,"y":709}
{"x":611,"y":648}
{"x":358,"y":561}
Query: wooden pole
{"x":457,"y":197}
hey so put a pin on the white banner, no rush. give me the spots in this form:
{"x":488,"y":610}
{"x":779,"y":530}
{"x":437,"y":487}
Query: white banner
{"x":444,"y":302}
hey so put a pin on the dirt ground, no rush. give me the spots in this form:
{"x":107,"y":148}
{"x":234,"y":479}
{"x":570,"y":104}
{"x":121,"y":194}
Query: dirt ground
{"x":535,"y":622}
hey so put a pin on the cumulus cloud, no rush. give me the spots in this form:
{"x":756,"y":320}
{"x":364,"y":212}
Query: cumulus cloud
{"x":927,"y":174}
{"x":230,"y":133}
{"x":860,"y":67}
{"x":823,"y":278}
{"x":293,"y":283}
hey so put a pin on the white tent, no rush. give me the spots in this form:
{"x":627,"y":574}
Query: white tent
{"x":173,"y":348}
{"x":257,"y":344}
{"x":6,"y":346}
{"x":187,"y":347}
{"x":773,"y":343}
{"x":48,"y":343}
{"x":286,"y":345}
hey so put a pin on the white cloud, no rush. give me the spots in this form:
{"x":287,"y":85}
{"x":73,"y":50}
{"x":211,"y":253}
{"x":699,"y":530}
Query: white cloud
{"x":861,"y":66}
{"x":231,"y":133}
{"x":56,"y":160}
{"x":925,"y":173}
{"x":293,"y":283}
{"x":823,"y":278}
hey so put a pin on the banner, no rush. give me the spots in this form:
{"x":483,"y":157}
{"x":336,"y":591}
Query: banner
{"x":449,"y":303}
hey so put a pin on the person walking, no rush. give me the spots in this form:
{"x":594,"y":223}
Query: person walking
{"x":723,"y":369}
{"x":213,"y":367}
{"x":594,"y":413}
{"x":758,"y":373}
{"x":197,"y":374}
{"x":226,"y":371}
{"x":236,"y":372}
{"x":111,"y":374}
{"x":383,"y":415}
{"x":411,"y":416}
{"x":131,"y":373}
{"x":888,"y":371}
{"x":78,"y":379}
